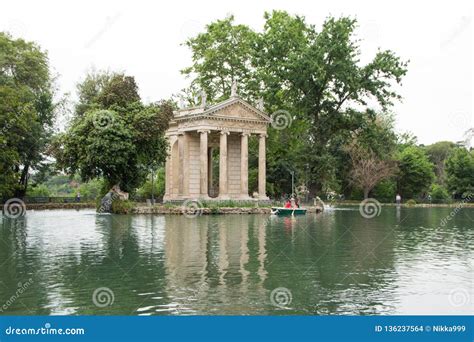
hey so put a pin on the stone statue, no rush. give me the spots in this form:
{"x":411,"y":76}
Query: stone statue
{"x":260,"y":104}
{"x":233,"y":89}
{"x":203,"y":99}
{"x":181,"y":103}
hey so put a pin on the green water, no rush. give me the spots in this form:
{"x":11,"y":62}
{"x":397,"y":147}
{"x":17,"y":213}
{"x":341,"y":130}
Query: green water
{"x":338,"y":262}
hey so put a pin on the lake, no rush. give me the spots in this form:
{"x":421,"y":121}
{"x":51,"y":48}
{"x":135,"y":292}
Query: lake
{"x":76,"y":262}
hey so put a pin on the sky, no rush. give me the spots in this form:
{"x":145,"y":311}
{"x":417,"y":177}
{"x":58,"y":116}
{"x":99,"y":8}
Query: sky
{"x":143,"y":39}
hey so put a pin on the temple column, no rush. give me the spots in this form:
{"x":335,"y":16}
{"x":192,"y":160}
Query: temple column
{"x":223,"y":189}
{"x":203,"y":158}
{"x":244,"y":165}
{"x":210,"y":173}
{"x":181,"y":160}
{"x":262,"y":176}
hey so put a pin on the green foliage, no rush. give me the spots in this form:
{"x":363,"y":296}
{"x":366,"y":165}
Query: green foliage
{"x":118,"y":138}
{"x":27,"y":112}
{"x":222,"y":55}
{"x":411,"y":202}
{"x":40,"y":190}
{"x":460,"y":172}
{"x":90,"y":189}
{"x":438,"y":193}
{"x":385,"y":191}
{"x":438,"y":153}
{"x":122,"y":207}
{"x":158,"y":187}
{"x":415,"y":172}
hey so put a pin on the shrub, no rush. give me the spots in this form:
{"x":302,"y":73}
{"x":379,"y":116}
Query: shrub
{"x":122,"y":207}
{"x":438,"y":193}
{"x":411,"y":202}
{"x":39,"y":190}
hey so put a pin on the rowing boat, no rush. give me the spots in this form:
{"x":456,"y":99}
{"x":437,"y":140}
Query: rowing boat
{"x":288,"y":211}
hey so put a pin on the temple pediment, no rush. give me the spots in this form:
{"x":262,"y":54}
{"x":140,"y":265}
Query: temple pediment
{"x":231,"y":109}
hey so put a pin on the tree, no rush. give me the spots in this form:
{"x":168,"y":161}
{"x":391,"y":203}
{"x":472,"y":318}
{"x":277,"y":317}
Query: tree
{"x":438,"y":153}
{"x":118,"y":138}
{"x":27,"y":112}
{"x":320,"y":74}
{"x":222,"y":55}
{"x":460,"y":172}
{"x":368,"y":169}
{"x":415,"y":172}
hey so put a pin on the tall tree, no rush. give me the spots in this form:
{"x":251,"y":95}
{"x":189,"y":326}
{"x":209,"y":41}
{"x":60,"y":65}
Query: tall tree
{"x":416,"y":172}
{"x":320,"y":74}
{"x":367,"y":169}
{"x":460,"y":172}
{"x":27,"y":112}
{"x":222,"y":55}
{"x":117,"y":138}
{"x":438,"y":153}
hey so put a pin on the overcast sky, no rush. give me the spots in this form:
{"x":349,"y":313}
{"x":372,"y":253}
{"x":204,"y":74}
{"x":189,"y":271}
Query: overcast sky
{"x":143,"y":39}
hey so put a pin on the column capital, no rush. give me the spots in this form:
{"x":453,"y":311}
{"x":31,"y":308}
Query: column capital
{"x":263,"y":135}
{"x":222,"y":132}
{"x":207,"y":131}
{"x":246,"y":134}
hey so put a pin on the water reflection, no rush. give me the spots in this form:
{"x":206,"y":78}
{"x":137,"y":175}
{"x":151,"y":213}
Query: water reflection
{"x":400,"y":262}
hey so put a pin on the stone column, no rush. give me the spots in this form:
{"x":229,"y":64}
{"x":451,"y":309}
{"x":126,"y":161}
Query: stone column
{"x":185,"y":165}
{"x":223,"y":189}
{"x":203,"y":158}
{"x":181,"y":164}
{"x":210,"y":174}
{"x":262,"y":176}
{"x":244,"y":165}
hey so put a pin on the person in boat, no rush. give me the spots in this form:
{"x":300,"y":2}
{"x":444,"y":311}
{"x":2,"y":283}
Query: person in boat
{"x":297,"y":202}
{"x":288,"y":204}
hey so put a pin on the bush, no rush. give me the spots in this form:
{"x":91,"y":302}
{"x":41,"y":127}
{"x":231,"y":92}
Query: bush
{"x":90,"y":189}
{"x":158,"y":186}
{"x":385,"y":190}
{"x":411,"y":202}
{"x":438,"y":193}
{"x":122,"y":207}
{"x":39,"y":190}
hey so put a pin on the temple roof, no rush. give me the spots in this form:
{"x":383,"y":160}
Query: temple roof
{"x":234,"y":107}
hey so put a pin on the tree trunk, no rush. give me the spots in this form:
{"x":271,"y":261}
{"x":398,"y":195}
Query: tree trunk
{"x":366,"y":193}
{"x":23,"y":182}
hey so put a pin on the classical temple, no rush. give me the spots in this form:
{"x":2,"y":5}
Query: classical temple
{"x":193,"y":135}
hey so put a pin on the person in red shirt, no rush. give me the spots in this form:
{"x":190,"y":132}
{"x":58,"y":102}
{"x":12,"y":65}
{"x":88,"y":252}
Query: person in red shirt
{"x":288,"y":204}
